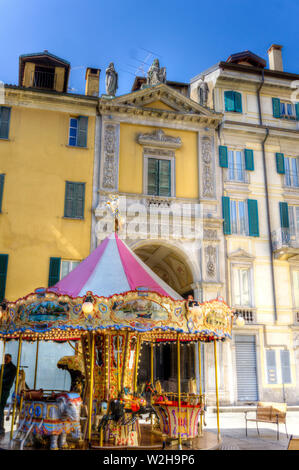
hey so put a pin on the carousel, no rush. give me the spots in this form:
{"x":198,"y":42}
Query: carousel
{"x":111,"y":305}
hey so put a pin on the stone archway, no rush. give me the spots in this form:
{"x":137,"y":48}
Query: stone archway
{"x":174,"y":267}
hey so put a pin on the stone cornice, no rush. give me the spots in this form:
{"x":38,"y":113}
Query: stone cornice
{"x":18,"y":96}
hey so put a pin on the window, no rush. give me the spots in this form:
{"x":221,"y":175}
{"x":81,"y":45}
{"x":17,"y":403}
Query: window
{"x":159,"y":177}
{"x":4,"y":122}
{"x":293,"y":212}
{"x":241,"y":280}
{"x":291,"y":165}
{"x":233,"y":101}
{"x":285,"y":366}
{"x":1,"y":190}
{"x":239,"y":218}
{"x":59,"y":268}
{"x":44,"y":77}
{"x":236,"y":166}
{"x":67,"y":266}
{"x":78,"y":131}
{"x":74,"y":200}
{"x":285,"y":109}
{"x":273,"y":376}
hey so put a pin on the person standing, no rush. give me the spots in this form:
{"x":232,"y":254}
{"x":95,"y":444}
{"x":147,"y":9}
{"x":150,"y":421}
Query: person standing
{"x":9,"y":374}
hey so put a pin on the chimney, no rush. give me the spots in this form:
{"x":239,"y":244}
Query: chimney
{"x":92,"y":78}
{"x":275,"y":58}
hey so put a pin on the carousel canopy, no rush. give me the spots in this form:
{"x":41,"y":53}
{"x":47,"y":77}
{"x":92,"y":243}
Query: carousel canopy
{"x":112,"y":268}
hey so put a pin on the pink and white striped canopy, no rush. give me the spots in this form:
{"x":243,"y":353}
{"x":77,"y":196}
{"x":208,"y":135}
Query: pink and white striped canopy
{"x":112,"y":268}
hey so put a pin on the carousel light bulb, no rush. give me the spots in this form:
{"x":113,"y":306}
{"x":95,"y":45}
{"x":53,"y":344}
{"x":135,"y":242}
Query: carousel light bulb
{"x":240,"y":321}
{"x":87,"y":307}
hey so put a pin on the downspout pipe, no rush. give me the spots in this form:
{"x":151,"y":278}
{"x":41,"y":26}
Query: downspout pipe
{"x":267,"y":199}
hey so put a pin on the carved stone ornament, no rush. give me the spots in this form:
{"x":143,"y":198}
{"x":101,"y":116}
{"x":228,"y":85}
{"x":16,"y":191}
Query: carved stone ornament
{"x":211,"y":258}
{"x":208,"y":181}
{"x":159,"y":139}
{"x":110,"y":164}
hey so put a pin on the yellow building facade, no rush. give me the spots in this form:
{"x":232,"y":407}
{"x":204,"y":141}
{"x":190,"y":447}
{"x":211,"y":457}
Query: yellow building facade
{"x":46,"y":177}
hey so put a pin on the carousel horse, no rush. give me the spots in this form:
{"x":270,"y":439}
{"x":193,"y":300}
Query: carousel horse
{"x":54,"y":416}
{"x":21,"y":387}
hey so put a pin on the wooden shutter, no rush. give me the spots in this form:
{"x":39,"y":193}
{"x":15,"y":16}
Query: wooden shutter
{"x":54,"y":271}
{"x":1,"y":190}
{"x":253,"y":218}
{"x":276,"y":107}
{"x":226,"y":215}
{"x":152,"y":176}
{"x":297,"y":111}
{"x":223,"y":159}
{"x":229,"y":101}
{"x":74,"y":200}
{"x":249,"y":160}
{"x":3,"y":274}
{"x":280,"y":167}
{"x":285,"y":366}
{"x":271,"y":366}
{"x":4,"y":122}
{"x":79,"y":199}
{"x":82,"y":131}
{"x":238,"y":102}
{"x":284,"y":215}
{"x":164,"y":178}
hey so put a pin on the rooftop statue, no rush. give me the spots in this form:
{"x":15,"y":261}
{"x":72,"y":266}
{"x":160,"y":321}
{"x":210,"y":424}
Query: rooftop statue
{"x":203,"y":91}
{"x":156,"y":74}
{"x":111,"y":80}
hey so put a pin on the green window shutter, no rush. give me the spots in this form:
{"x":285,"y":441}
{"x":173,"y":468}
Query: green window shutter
{"x":249,"y":160}
{"x":276,"y":107}
{"x":1,"y":190}
{"x":165,"y":178}
{"x":284,"y":215}
{"x":271,"y":366}
{"x":226,"y":215}
{"x":82,"y":131}
{"x":4,"y":122}
{"x":297,"y":111}
{"x":223,"y":159}
{"x":74,"y":200}
{"x":229,"y":101}
{"x":79,"y":200}
{"x":152,"y":176}
{"x":238,"y":102}
{"x":285,"y":366}
{"x":3,"y":274}
{"x":54,"y":271}
{"x":253,"y":218}
{"x":280,"y":163}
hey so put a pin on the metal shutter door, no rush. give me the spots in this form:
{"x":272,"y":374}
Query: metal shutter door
{"x":246,"y":368}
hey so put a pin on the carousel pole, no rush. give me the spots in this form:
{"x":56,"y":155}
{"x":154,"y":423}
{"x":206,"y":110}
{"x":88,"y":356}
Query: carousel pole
{"x":216,"y":384}
{"x":16,"y":387}
{"x":2,"y":367}
{"x":179,"y":390}
{"x":36,"y":363}
{"x":152,"y":376}
{"x":91,"y":358}
{"x":200,"y":383}
{"x":136,"y":367}
{"x":118,"y":365}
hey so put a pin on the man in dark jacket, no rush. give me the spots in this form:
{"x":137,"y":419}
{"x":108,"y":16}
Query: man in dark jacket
{"x":8,"y":379}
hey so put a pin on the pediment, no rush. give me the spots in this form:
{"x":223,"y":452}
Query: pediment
{"x":160,"y":100}
{"x":240,"y":254}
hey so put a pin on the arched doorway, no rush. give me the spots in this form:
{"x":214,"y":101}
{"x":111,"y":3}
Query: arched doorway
{"x":175,"y":268}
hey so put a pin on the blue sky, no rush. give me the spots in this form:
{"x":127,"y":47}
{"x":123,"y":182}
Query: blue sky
{"x":187,"y":36}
